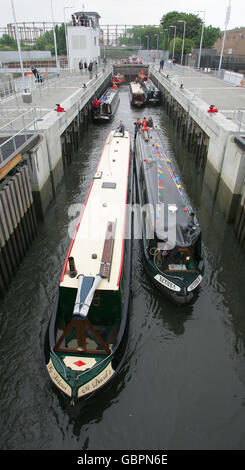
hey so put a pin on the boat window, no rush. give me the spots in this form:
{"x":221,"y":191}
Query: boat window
{"x":105,"y":108}
{"x":108,"y":185}
{"x":81,"y":335}
{"x":181,"y":261}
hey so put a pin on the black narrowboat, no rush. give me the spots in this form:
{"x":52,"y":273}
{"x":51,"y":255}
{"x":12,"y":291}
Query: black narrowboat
{"x":105,"y":107}
{"x":171,"y":235}
{"x":154,"y":96}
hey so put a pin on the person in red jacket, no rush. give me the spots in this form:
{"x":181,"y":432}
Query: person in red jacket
{"x":96,"y":103}
{"x":59,"y":109}
{"x":212,"y":109}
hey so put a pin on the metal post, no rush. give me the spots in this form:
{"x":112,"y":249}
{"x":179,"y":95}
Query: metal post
{"x":19,"y":48}
{"x":200,"y":47}
{"x":173,"y":26}
{"x":66,"y":36}
{"x":55,"y":44}
{"x":183,"y":41}
{"x":227,"y":19}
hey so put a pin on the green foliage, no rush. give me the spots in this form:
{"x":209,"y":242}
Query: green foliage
{"x":137,"y":36}
{"x":44,"y":43}
{"x":210,"y":36}
{"x":188,"y":45}
{"x":7,"y":43}
{"x":193,"y":29}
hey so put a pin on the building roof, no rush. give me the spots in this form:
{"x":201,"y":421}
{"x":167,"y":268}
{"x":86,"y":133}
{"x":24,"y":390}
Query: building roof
{"x":88,"y":13}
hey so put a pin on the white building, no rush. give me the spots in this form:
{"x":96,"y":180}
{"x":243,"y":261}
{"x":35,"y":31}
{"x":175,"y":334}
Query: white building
{"x":83,"y":38}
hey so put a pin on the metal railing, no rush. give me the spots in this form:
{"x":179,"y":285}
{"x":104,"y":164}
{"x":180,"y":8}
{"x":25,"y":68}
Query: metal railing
{"x":27,"y":124}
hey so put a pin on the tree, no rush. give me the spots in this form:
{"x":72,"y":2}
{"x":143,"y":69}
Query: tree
{"x":188,"y":45}
{"x":46,"y":41}
{"x":193,"y":23}
{"x":210,"y":36}
{"x":7,"y":43}
{"x":193,"y":28}
{"x":137,"y":37}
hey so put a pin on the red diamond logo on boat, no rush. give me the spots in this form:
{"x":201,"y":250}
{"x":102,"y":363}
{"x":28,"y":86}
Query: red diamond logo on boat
{"x":79,"y":363}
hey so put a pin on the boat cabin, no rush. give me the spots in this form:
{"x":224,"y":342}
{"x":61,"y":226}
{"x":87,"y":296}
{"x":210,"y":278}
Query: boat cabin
{"x":105,"y":107}
{"x":138,"y":94}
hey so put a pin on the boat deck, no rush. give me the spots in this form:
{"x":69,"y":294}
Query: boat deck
{"x":136,"y":88}
{"x":106,"y":202}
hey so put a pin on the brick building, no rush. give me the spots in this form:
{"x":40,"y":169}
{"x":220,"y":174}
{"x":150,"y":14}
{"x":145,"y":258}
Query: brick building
{"x":234,"y":42}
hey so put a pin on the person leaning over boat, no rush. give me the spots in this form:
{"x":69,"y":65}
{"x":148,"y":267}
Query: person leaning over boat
{"x":149,"y":122}
{"x":121,"y":128}
{"x":137,"y":126}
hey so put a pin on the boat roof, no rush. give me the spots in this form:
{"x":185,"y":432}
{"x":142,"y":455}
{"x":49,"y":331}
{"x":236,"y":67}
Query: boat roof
{"x":108,"y":95}
{"x":164,"y":186}
{"x":136,"y":87}
{"x":106,"y":202}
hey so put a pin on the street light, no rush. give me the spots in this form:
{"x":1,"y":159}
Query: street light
{"x":227,"y":19}
{"x":148,"y":41}
{"x":19,"y":48}
{"x":67,"y":45}
{"x":183,"y":40}
{"x":173,"y":26}
{"x":55,"y":44}
{"x":157,"y":35}
{"x":200,"y":47}
{"x":166,"y":29}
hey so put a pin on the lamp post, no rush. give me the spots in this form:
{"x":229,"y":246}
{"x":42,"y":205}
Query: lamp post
{"x":148,"y":41}
{"x":157,"y":35}
{"x":183,"y":41}
{"x":173,"y":26}
{"x":165,"y":29}
{"x":55,"y":44}
{"x":19,"y":48}
{"x":67,"y":45}
{"x":200,"y":47}
{"x":227,"y":19}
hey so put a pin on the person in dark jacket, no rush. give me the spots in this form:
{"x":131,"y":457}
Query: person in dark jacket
{"x":121,"y":128}
{"x":149,"y":122}
{"x":137,"y":126}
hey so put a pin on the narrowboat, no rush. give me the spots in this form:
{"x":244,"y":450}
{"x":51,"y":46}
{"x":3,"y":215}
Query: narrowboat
{"x":105,"y":107}
{"x":119,"y":79}
{"x":86,"y":338}
{"x":170,"y":232}
{"x":137,"y":94}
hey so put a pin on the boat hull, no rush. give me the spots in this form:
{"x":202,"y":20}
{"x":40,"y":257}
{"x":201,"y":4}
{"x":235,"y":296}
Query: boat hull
{"x":87,"y":386}
{"x":178,"y":298}
{"x":179,"y":286}
{"x":106,"y":111}
{"x":77,"y":372}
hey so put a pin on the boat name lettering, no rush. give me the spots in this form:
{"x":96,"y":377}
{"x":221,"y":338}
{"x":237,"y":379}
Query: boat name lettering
{"x":167,"y":283}
{"x":97,"y":381}
{"x":194,"y":283}
{"x":56,"y":378}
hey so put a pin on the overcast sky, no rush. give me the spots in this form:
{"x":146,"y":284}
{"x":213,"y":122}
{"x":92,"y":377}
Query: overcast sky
{"x":124,"y":11}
